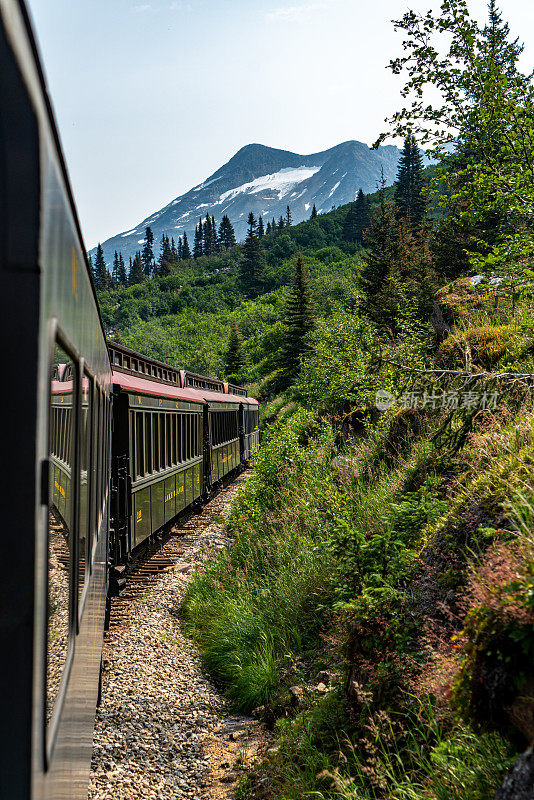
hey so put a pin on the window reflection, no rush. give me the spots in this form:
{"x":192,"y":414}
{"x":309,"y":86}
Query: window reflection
{"x":60,"y":515}
{"x":85,"y":451}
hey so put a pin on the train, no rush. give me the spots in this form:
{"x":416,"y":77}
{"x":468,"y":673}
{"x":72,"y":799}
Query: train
{"x":102,"y":447}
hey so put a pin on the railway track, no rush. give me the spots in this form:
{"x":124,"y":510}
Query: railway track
{"x":170,"y":553}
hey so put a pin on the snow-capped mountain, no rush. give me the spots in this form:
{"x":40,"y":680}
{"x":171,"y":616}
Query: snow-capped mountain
{"x":265,"y":180}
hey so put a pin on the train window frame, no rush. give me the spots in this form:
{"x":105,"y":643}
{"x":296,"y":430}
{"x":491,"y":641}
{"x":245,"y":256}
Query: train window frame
{"x":50,"y":726}
{"x":81,"y":595}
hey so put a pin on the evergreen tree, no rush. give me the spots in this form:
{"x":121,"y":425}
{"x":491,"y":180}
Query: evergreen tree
{"x":180,"y":249}
{"x":273,"y":226}
{"x":357,"y":219}
{"x":137,"y":273}
{"x":289,"y":218}
{"x":91,"y":265}
{"x":147,"y":256}
{"x":209,"y":236}
{"x":197,"y":244}
{"x":100,"y":269}
{"x":186,"y":252}
{"x":298,"y":322}
{"x":409,"y":199}
{"x":314,"y":212}
{"x":381,"y":241}
{"x":268,"y":229}
{"x":121,"y":272}
{"x":226,"y":233}
{"x":165,"y":256}
{"x":261,"y":230}
{"x":497,"y":45}
{"x":233,"y":360}
{"x":115,"y":271}
{"x":281,"y":223}
{"x":252,"y":263}
{"x":410,"y":283}
{"x":174,"y":252}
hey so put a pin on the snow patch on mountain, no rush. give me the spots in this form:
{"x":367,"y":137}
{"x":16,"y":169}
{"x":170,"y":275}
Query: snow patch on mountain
{"x":282,"y":182}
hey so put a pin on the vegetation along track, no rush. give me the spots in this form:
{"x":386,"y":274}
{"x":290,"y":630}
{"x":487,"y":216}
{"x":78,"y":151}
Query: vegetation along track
{"x":161,"y":729}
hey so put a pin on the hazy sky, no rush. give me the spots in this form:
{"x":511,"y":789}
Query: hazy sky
{"x":152,"y":96}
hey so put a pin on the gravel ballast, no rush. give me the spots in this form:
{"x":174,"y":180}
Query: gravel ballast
{"x":161,"y":730}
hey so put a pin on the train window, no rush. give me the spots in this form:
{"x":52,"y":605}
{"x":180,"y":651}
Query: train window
{"x":180,"y":438}
{"x":85,"y":470}
{"x":139,"y":444}
{"x":157,"y":452}
{"x":174,"y":422}
{"x":60,"y":540}
{"x":162,"y":441}
{"x":149,"y":456}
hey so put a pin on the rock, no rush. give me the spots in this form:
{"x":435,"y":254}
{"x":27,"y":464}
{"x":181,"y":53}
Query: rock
{"x":297,"y":695}
{"x":321,"y":688}
{"x":238,"y":734}
{"x":323,"y":677}
{"x":258,"y":712}
{"x":519,"y":783}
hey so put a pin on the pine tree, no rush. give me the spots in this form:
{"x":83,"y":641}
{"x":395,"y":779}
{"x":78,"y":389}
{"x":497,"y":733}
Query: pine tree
{"x":226,"y":233}
{"x":214,"y":236}
{"x":147,"y":256}
{"x":186,"y":252}
{"x":281,"y":223}
{"x":137,"y":273}
{"x":268,"y":228}
{"x":115,"y":270}
{"x":100,"y":269}
{"x":197,"y":245}
{"x":289,"y":218}
{"x":314,"y":212}
{"x":504,"y":53}
{"x":298,"y":322}
{"x":357,"y":219}
{"x":233,"y":360}
{"x":261,"y":230}
{"x":252,"y":263}
{"x":174,"y":252}
{"x":273,"y":226}
{"x":91,"y":265}
{"x":121,"y":273}
{"x":381,"y":241}
{"x":409,"y":198}
{"x":180,"y":249}
{"x":165,"y":256}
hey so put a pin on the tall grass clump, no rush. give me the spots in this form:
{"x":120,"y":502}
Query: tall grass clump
{"x":257,"y":604}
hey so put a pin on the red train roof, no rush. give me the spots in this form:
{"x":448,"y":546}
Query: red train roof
{"x":133,"y":383}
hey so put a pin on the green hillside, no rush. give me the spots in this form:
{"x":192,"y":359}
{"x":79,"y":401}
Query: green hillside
{"x":376,"y":606}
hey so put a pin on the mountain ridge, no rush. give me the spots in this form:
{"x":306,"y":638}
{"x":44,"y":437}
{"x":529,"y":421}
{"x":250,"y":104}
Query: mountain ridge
{"x":265,"y":180}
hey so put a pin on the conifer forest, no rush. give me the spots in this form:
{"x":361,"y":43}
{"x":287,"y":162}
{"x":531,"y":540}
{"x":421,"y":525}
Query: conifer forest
{"x":376,"y":607}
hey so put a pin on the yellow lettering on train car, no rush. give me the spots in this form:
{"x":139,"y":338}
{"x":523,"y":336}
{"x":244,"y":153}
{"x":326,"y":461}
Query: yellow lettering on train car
{"x":138,"y":399}
{"x":170,"y":496}
{"x":74,"y":286}
{"x":160,"y":401}
{"x":180,"y":489}
{"x":139,"y":515}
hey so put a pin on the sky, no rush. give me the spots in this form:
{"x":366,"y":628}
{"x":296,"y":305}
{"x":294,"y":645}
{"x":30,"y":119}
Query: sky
{"x":152,"y":96}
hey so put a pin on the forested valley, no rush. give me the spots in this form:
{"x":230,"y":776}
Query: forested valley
{"x":376,"y":607}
